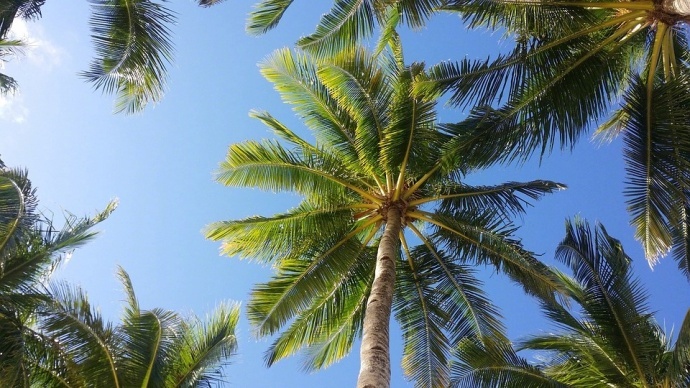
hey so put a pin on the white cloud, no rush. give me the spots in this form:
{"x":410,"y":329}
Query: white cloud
{"x":39,"y":51}
{"x":12,"y":108}
{"x":39,"y":54}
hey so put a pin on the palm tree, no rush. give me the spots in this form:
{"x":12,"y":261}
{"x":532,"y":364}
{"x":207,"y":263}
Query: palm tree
{"x":50,"y":336}
{"x":133,"y":46}
{"x":30,"y":249}
{"x":572,"y":63}
{"x":348,"y":22}
{"x":608,"y":336}
{"x":386,"y":222}
{"x":148,"y":348}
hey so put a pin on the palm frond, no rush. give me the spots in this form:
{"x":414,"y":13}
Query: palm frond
{"x":85,"y":337}
{"x":268,"y":239}
{"x":133,"y":47}
{"x":205,"y":349}
{"x":478,"y":237}
{"x":12,"y":209}
{"x":422,"y":319}
{"x":509,"y":199}
{"x":266,"y":15}
{"x":680,"y":355}
{"x":11,"y":9}
{"x":300,"y":280}
{"x":295,"y":78}
{"x":409,"y":131}
{"x":328,"y":328}
{"x":495,"y":364}
{"x":357,"y":82}
{"x":346,"y":23}
{"x":613,"y":301}
{"x":269,"y":166}
{"x":656,"y":153}
{"x":470,"y":313}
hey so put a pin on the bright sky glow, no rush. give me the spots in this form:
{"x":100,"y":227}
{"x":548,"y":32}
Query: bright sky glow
{"x":160,"y":165}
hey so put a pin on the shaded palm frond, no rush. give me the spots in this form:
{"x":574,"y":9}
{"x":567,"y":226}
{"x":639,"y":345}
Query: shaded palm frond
{"x":495,"y":364}
{"x":133,"y":47}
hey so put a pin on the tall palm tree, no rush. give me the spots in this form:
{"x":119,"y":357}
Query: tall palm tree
{"x":155,"y":347}
{"x":348,"y":22}
{"x":133,"y":46}
{"x":385,"y":224}
{"x":30,"y":249}
{"x":608,"y":335}
{"x":572,"y":63}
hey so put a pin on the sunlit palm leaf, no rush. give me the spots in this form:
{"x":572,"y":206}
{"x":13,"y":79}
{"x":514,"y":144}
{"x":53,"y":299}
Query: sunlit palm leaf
{"x":295,"y":78}
{"x":302,"y":280}
{"x":325,"y":329}
{"x":266,"y":15}
{"x":205,"y":349}
{"x":348,"y":21}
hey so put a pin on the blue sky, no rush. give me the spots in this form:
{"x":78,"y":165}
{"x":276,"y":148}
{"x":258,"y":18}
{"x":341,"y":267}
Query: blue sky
{"x":160,"y":165}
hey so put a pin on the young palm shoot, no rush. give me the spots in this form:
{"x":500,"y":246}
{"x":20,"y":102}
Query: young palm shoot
{"x":386,"y":224}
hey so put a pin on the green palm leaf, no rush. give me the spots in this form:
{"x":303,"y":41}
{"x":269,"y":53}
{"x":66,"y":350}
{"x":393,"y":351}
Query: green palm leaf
{"x":266,"y":15}
{"x":348,"y":21}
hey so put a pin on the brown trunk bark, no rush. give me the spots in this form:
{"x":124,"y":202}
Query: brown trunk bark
{"x":375,"y":364}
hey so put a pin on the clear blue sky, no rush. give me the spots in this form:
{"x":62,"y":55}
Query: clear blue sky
{"x":160,"y":165}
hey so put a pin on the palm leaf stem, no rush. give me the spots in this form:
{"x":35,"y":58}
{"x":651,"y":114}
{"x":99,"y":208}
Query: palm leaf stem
{"x":595,"y":50}
{"x":421,"y":181}
{"x":130,"y":40}
{"x":602,"y":45}
{"x":667,"y":51}
{"x":159,"y":337}
{"x":428,"y":217}
{"x":450,"y":276}
{"x":316,"y":261}
{"x":609,"y":23}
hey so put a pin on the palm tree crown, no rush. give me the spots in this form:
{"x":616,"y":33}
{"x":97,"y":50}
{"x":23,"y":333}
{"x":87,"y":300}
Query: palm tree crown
{"x":608,"y":336}
{"x":385,"y":220}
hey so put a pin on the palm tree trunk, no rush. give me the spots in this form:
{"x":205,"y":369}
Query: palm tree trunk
{"x":375,"y":363}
